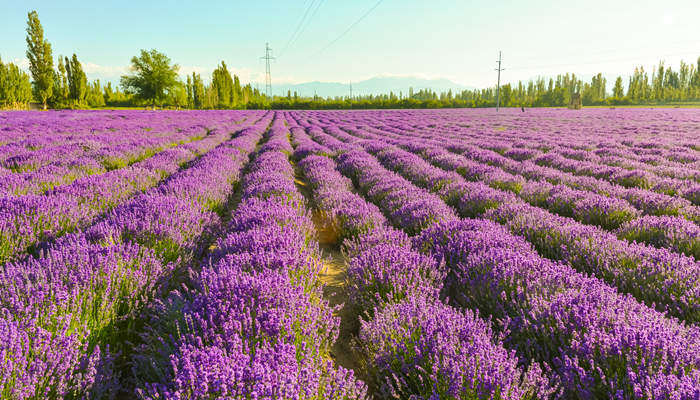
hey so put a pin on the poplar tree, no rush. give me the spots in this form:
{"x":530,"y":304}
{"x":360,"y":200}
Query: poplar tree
{"x":60,"y":88}
{"x":189,"y":92}
{"x":40,"y":59}
{"x":108,"y":92}
{"x":77,"y":80}
{"x":93,"y":95}
{"x":222,"y":84}
{"x":198,"y":92}
{"x":237,"y":92}
{"x":618,"y":91}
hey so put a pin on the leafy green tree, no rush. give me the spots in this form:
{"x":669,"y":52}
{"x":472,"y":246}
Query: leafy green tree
{"x":237,"y":92}
{"x":211,"y":97}
{"x":198,"y":92}
{"x":93,"y":94}
{"x":657,"y":82}
{"x":177,"y":96}
{"x":618,"y":90}
{"x":40,"y":59}
{"x":77,"y":80}
{"x":189,"y":92}
{"x":108,"y":92}
{"x":15,"y":88}
{"x":695,"y":79}
{"x":60,"y":87}
{"x":153,"y":77}
{"x":222,"y":84}
{"x":114,"y":97}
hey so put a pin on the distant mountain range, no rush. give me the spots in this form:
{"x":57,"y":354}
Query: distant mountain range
{"x":376,"y":85}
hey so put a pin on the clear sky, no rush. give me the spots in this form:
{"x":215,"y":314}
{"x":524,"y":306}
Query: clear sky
{"x":458,"y":40}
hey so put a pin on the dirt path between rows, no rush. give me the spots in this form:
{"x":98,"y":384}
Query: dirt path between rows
{"x":335,"y":292}
{"x":333,"y":277}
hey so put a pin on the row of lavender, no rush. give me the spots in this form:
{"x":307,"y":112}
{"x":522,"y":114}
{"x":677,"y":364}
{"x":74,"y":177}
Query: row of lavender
{"x":656,"y":276}
{"x":410,"y":343}
{"x":50,"y":157}
{"x":255,"y":324}
{"x":70,"y":168}
{"x":607,"y":212}
{"x":488,"y":165}
{"x":71,"y":316}
{"x":679,"y":181}
{"x":620,"y":137}
{"x":28,"y":220}
{"x":29,"y":138}
{"x":547,"y":312}
{"x":606,"y":160}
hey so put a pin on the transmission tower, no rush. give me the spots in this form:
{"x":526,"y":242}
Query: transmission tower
{"x":268,"y":77}
{"x":498,"y":85}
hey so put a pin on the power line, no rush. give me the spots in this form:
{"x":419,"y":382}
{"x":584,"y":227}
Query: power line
{"x":301,"y":21}
{"x":308,"y":22}
{"x":350,"y":27}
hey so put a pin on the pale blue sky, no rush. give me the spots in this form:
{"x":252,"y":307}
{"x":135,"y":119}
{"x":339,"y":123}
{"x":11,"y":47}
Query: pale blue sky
{"x":458,"y":40}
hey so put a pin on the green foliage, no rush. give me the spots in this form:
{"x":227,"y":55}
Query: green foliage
{"x":177,"y":96}
{"x":222,"y":84}
{"x":115,"y":97}
{"x":197,"y":92}
{"x":618,"y":90}
{"x":93,"y":95}
{"x":77,"y":80}
{"x":153,"y":77}
{"x":61,"y":92}
{"x":15,"y":88}
{"x":40,"y":59}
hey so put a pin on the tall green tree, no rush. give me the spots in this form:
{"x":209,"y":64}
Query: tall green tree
{"x":112,"y":96}
{"x":15,"y":88}
{"x":189,"y":92}
{"x":618,"y":90}
{"x":657,"y":82}
{"x":198,"y":92}
{"x":222,"y":83}
{"x":61,"y":91}
{"x":77,"y":80}
{"x":108,"y":92}
{"x":177,"y":96}
{"x":40,"y":59}
{"x":237,"y":92}
{"x":93,"y":94}
{"x":153,"y":77}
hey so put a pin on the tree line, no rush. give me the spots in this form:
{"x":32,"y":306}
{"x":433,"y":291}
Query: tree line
{"x":154,"y":82}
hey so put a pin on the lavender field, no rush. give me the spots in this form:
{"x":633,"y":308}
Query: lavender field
{"x":399,"y":254}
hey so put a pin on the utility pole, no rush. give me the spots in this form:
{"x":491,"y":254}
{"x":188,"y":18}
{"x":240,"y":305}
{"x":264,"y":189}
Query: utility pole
{"x":498,"y":86}
{"x":268,"y":78}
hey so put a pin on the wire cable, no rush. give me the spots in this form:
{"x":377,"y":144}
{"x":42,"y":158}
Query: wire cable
{"x":308,"y":22}
{"x":301,"y":22}
{"x":332,"y":42}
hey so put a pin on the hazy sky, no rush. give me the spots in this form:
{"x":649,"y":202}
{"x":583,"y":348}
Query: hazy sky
{"x":458,"y":40}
